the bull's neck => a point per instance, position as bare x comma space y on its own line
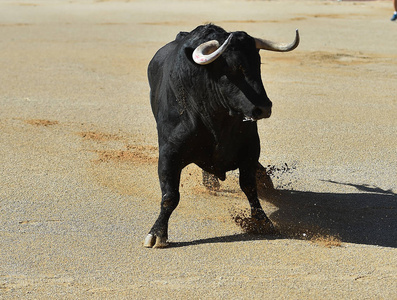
207, 106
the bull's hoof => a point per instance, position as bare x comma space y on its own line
263, 224
152, 241
268, 227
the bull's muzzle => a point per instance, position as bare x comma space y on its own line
262, 112
259, 112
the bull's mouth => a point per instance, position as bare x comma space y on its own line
249, 119
258, 114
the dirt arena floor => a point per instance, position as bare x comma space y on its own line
78, 152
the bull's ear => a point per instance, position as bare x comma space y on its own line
181, 35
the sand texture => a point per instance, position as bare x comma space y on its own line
78, 154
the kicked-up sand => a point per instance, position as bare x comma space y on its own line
78, 152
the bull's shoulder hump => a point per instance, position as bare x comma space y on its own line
165, 52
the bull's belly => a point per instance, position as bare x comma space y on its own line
219, 168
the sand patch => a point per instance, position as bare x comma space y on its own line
40, 122
166, 23
341, 58
250, 21
334, 16
135, 154
327, 241
327, 58
98, 136
15, 25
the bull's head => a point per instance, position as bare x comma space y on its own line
238, 74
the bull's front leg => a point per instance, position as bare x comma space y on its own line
169, 176
248, 186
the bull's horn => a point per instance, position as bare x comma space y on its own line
207, 52
272, 46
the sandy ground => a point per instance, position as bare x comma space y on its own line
78, 183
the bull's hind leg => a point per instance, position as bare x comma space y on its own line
248, 185
211, 182
263, 181
169, 175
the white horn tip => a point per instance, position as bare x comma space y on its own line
203, 59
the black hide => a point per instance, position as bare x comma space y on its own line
201, 113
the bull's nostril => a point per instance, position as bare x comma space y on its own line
257, 112
261, 112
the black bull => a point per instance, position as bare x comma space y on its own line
206, 99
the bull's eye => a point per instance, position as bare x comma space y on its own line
237, 70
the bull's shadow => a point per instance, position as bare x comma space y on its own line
366, 217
